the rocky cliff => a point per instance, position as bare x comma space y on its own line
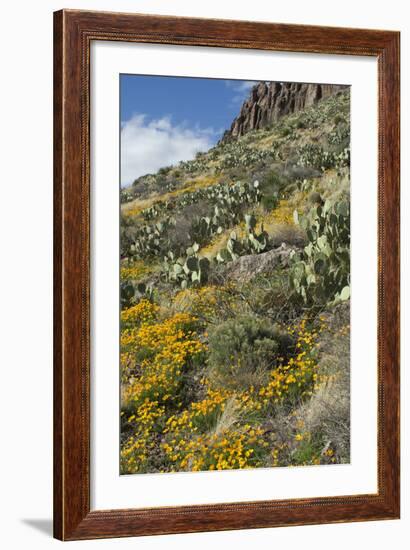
270, 101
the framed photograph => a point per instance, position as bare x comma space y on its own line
226, 275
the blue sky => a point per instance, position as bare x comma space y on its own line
168, 119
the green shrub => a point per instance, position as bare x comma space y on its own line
164, 170
243, 350
272, 188
269, 202
127, 293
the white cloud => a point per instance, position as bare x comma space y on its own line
241, 89
241, 85
147, 146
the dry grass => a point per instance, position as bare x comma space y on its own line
135, 207
328, 411
228, 418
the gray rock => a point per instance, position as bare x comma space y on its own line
247, 267
267, 103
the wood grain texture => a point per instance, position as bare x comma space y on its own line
58, 279
73, 33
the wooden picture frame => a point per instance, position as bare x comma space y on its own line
74, 32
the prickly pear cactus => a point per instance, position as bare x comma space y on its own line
186, 271
321, 273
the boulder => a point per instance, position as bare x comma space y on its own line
247, 267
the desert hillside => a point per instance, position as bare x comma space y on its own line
235, 298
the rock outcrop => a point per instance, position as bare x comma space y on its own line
247, 267
270, 101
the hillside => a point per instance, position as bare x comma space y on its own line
268, 102
235, 272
